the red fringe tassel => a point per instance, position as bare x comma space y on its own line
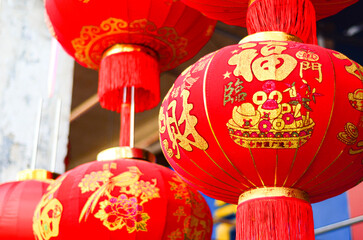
128, 69
275, 218
296, 17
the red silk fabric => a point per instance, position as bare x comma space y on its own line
17, 204
122, 199
171, 29
277, 114
234, 12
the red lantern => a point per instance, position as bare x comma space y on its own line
267, 120
290, 16
18, 201
130, 41
122, 199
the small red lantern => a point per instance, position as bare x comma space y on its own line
129, 41
18, 201
269, 124
122, 199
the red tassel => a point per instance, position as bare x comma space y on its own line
295, 17
275, 218
126, 69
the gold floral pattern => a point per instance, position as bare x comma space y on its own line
94, 40
124, 209
48, 213
195, 226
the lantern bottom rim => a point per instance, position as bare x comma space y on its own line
267, 192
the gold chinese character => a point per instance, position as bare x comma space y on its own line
305, 65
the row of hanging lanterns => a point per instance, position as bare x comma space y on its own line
122, 195
267, 124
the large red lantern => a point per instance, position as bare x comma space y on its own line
122, 199
129, 42
18, 201
271, 125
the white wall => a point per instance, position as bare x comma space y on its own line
25, 52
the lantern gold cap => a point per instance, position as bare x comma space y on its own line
126, 153
266, 192
121, 48
270, 36
35, 174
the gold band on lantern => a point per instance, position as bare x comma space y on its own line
273, 192
35, 174
271, 35
120, 48
125, 152
250, 2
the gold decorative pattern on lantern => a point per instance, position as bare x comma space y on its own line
356, 99
354, 68
132, 194
94, 40
48, 213
350, 137
172, 125
274, 65
195, 226
276, 122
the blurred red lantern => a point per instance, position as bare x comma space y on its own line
129, 41
122, 199
290, 16
18, 201
267, 120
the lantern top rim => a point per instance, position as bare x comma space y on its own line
270, 35
115, 153
36, 174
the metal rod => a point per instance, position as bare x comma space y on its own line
338, 225
56, 134
132, 118
36, 134
84, 107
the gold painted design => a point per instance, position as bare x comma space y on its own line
273, 192
233, 92
350, 134
350, 137
176, 136
274, 65
133, 194
195, 227
354, 68
85, 1
305, 65
326, 129
93, 40
277, 122
356, 99
210, 126
48, 213
307, 56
